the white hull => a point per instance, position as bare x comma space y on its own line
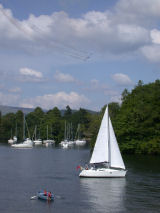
22, 145
65, 145
63, 142
12, 141
48, 142
26, 144
37, 142
103, 173
71, 143
80, 142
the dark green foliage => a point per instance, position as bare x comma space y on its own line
138, 122
68, 112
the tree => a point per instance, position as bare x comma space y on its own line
68, 112
125, 94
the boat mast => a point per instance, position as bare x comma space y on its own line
47, 132
109, 147
23, 126
36, 132
16, 130
65, 132
11, 132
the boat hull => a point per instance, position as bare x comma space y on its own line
22, 145
41, 196
37, 142
102, 173
26, 144
12, 141
65, 145
49, 142
80, 142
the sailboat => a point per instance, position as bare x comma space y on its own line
106, 160
27, 143
48, 142
14, 139
37, 141
79, 142
64, 143
71, 142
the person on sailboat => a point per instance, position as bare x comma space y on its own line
49, 195
86, 166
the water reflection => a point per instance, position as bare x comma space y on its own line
104, 195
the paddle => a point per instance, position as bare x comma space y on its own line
33, 197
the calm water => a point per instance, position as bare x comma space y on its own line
23, 172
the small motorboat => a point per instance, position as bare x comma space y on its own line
46, 196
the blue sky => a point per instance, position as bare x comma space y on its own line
81, 53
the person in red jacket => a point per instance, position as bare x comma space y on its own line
49, 195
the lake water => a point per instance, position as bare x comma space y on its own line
23, 172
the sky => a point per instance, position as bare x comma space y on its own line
81, 53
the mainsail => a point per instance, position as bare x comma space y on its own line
101, 151
106, 147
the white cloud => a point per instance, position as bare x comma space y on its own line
27, 105
152, 53
99, 32
60, 99
116, 98
96, 85
155, 35
94, 81
8, 99
122, 79
132, 34
122, 31
30, 72
15, 90
136, 11
30, 75
62, 77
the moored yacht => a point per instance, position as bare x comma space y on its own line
28, 143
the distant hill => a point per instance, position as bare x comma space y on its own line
9, 109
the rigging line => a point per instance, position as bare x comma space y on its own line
77, 54
14, 22
80, 53
66, 51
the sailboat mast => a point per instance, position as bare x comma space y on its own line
16, 130
47, 132
11, 132
23, 126
109, 146
65, 132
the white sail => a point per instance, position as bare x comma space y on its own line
100, 152
106, 147
115, 155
